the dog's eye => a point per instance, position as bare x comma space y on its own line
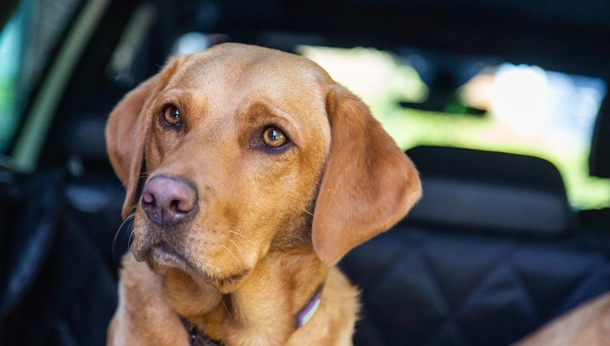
274, 137
171, 114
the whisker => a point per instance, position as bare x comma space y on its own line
308, 212
226, 308
130, 242
239, 234
238, 249
116, 234
232, 254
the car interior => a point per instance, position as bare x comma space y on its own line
497, 246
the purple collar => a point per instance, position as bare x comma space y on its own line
198, 339
310, 309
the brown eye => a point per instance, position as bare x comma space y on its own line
171, 115
274, 137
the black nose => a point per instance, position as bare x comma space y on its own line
167, 201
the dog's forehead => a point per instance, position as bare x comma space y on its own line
235, 68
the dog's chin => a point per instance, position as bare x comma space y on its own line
162, 257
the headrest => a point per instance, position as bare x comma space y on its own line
599, 159
481, 190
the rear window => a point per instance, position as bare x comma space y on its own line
484, 105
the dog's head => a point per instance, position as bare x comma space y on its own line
249, 150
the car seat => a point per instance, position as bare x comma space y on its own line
490, 253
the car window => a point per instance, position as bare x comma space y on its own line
489, 105
10, 49
27, 42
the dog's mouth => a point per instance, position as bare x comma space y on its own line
163, 255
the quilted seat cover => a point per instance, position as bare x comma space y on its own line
428, 287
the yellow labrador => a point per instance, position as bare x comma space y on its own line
261, 173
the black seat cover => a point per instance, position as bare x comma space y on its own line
464, 281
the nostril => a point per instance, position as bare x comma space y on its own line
177, 207
148, 198
181, 206
149, 205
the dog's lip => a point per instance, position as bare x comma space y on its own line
165, 255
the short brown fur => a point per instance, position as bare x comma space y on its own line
270, 225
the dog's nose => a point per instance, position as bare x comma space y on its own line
167, 201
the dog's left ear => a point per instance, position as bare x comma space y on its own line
125, 135
368, 184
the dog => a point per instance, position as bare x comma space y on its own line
261, 173
586, 325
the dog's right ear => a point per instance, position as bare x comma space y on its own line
127, 129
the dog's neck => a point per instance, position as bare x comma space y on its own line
265, 307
